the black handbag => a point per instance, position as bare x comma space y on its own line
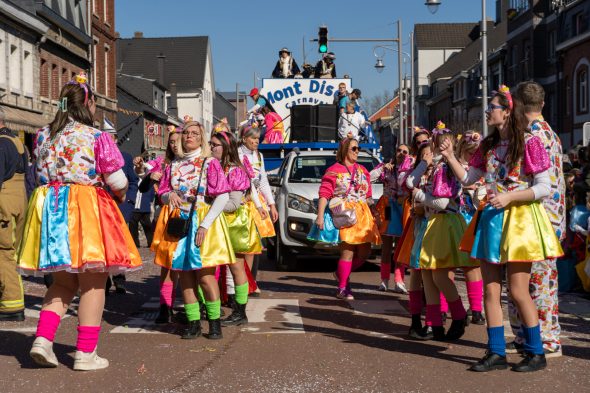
178, 226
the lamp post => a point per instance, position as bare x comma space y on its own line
433, 7
379, 66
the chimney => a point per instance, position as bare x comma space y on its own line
161, 59
173, 106
138, 34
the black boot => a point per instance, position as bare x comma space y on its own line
438, 333
203, 310
214, 329
531, 362
119, 281
457, 329
165, 315
417, 331
477, 318
491, 361
193, 331
237, 317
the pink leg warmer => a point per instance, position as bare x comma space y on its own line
87, 338
475, 294
166, 289
444, 306
457, 310
385, 271
416, 303
433, 314
399, 272
47, 325
344, 270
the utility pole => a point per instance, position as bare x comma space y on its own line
237, 106
484, 67
413, 83
402, 129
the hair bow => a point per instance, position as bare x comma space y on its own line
440, 129
505, 91
81, 80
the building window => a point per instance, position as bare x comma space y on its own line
104, 10
519, 5
44, 78
94, 66
580, 23
582, 89
106, 70
551, 46
15, 68
568, 97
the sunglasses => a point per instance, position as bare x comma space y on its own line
354, 149
404, 152
214, 145
492, 107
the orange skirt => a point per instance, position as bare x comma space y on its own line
365, 230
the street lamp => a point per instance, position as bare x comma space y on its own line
379, 66
432, 6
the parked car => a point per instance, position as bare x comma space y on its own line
296, 185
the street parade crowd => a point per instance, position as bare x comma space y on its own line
493, 208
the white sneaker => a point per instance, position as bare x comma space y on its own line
384, 286
42, 352
89, 361
400, 288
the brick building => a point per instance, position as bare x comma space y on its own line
103, 73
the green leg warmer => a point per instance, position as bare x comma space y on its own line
193, 312
242, 293
213, 309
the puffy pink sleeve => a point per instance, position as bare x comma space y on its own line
406, 164
477, 160
536, 159
444, 186
216, 181
238, 179
164, 185
248, 166
156, 164
328, 185
108, 158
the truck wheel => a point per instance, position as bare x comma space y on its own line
285, 260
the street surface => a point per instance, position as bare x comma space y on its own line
300, 339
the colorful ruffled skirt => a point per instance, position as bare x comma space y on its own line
75, 228
391, 213
520, 233
330, 234
183, 254
265, 226
242, 231
436, 243
403, 247
273, 136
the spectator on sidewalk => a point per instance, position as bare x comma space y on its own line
351, 124
325, 68
286, 66
13, 205
142, 212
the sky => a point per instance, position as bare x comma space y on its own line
246, 35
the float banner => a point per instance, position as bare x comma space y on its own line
286, 93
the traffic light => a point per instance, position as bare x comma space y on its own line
323, 39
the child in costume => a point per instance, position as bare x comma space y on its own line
512, 228
391, 207
347, 187
435, 251
197, 185
74, 229
242, 230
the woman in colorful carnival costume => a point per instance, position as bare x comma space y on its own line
158, 171
346, 186
242, 229
262, 205
470, 199
421, 149
275, 130
196, 185
74, 164
512, 228
436, 247
391, 208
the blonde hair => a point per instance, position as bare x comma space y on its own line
205, 149
467, 144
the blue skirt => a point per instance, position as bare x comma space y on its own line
330, 234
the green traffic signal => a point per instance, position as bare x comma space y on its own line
323, 48
323, 39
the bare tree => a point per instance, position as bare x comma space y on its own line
376, 102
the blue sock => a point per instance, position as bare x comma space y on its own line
496, 342
532, 340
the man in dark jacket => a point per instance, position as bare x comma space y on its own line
286, 66
13, 203
325, 68
142, 212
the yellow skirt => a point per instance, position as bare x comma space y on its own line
440, 243
242, 231
265, 226
365, 230
183, 254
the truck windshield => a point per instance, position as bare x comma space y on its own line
310, 169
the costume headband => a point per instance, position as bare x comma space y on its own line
472, 138
81, 80
224, 135
440, 129
420, 130
248, 128
505, 91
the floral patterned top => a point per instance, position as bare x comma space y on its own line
78, 154
555, 203
520, 176
337, 183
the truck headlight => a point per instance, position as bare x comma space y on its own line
301, 204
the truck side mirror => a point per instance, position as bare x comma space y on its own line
274, 180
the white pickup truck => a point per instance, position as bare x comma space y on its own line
296, 186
